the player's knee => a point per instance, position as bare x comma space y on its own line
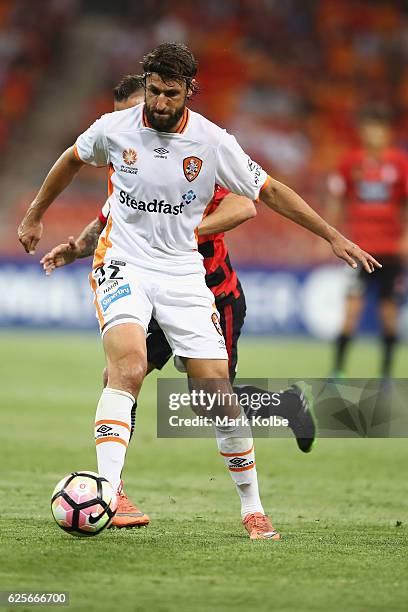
128, 372
220, 369
134, 373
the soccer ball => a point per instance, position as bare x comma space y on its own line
83, 503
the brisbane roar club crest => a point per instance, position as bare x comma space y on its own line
192, 166
129, 156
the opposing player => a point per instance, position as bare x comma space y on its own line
147, 260
369, 194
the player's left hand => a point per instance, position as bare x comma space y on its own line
350, 252
61, 255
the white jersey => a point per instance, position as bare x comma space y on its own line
162, 184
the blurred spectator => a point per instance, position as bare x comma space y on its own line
27, 45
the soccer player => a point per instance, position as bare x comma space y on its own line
147, 260
221, 278
369, 193
225, 211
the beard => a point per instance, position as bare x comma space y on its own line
163, 123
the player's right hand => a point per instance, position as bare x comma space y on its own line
61, 255
29, 233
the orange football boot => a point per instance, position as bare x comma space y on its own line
260, 527
127, 514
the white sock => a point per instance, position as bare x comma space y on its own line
112, 432
239, 456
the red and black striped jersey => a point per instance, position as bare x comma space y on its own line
220, 276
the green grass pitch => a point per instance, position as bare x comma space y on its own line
342, 510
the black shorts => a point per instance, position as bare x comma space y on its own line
388, 279
232, 315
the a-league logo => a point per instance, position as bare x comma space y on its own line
129, 156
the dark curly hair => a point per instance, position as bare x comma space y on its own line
129, 85
172, 62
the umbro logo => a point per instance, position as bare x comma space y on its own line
103, 429
161, 152
237, 461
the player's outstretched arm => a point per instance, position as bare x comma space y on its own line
58, 178
66, 253
231, 212
286, 202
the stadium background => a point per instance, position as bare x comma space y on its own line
287, 77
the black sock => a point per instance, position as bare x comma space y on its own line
286, 405
132, 420
132, 425
342, 342
389, 342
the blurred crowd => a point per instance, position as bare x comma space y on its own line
285, 76
30, 33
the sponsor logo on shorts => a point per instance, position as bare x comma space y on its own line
121, 292
129, 156
216, 321
154, 206
192, 166
111, 286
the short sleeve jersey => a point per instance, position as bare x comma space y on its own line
375, 192
162, 183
